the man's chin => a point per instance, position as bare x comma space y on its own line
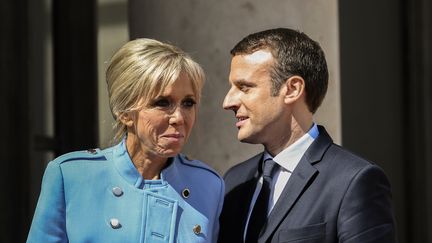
247, 139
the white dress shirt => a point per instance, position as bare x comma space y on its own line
287, 160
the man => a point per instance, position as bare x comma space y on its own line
303, 187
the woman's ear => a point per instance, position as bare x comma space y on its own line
294, 89
127, 119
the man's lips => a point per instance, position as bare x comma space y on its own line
241, 120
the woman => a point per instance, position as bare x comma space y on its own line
142, 189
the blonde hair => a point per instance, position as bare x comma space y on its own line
140, 71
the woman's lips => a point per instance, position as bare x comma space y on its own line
174, 137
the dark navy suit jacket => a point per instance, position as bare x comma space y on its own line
332, 196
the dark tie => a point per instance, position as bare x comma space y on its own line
259, 213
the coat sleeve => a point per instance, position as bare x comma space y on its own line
366, 214
49, 221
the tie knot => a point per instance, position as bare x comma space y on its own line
268, 167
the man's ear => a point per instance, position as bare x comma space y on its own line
127, 119
294, 89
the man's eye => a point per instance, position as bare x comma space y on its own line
162, 103
244, 88
188, 102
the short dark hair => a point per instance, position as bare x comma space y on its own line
295, 54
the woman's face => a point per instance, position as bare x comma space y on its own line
165, 123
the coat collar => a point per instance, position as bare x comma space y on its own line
128, 171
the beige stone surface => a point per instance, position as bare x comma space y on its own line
112, 34
208, 30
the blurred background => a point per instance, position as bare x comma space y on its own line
53, 96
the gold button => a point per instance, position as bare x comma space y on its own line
186, 193
197, 229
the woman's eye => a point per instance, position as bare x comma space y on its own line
162, 103
189, 102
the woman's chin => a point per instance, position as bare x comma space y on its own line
170, 152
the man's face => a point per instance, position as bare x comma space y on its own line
261, 117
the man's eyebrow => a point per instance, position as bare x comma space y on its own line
241, 82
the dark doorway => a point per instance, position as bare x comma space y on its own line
25, 142
386, 100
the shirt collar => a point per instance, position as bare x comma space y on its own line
290, 156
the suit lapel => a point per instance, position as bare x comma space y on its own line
240, 187
296, 185
248, 189
302, 176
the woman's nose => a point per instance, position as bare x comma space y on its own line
177, 117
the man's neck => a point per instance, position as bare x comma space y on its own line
298, 129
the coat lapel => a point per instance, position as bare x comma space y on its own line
302, 176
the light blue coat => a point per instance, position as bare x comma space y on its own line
99, 196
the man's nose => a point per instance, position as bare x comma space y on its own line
231, 101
